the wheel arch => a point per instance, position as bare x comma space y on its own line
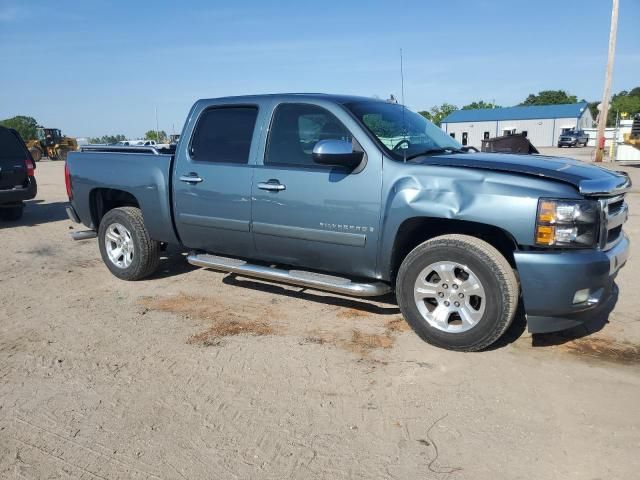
415, 230
101, 200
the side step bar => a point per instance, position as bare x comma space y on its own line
313, 280
83, 234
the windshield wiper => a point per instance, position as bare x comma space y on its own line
435, 151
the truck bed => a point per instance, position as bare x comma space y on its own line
142, 172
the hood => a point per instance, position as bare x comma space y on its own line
589, 179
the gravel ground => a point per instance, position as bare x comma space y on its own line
196, 374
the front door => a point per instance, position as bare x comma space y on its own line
212, 182
312, 215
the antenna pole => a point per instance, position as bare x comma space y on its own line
401, 78
404, 125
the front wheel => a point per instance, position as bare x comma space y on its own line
126, 248
457, 292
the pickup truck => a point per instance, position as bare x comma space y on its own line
362, 197
573, 138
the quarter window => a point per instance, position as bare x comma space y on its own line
295, 130
223, 135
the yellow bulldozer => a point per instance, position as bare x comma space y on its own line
51, 143
633, 138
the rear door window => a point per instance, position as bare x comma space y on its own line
224, 134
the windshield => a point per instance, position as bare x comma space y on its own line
402, 132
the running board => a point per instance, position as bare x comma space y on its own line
83, 234
313, 280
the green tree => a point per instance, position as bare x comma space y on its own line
624, 102
153, 135
438, 113
25, 126
550, 97
108, 139
480, 105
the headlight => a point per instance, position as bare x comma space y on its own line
567, 223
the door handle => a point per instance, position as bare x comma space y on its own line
191, 178
272, 185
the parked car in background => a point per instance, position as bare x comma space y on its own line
362, 197
17, 175
573, 138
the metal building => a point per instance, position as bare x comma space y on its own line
542, 124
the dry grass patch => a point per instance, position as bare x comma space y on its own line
351, 313
228, 328
604, 349
225, 322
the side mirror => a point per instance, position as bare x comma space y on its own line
336, 152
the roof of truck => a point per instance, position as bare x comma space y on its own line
307, 96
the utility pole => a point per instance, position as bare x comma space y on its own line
604, 109
157, 129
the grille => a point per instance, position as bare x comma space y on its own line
614, 214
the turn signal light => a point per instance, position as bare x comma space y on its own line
545, 235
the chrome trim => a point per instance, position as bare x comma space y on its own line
272, 187
190, 178
314, 280
609, 222
83, 235
71, 213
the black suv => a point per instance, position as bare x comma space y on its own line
17, 175
573, 138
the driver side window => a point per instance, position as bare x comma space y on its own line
295, 130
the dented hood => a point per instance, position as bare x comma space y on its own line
590, 180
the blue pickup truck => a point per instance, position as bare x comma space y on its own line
362, 197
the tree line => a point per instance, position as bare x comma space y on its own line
625, 103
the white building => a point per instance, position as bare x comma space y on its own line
542, 124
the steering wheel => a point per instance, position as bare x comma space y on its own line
401, 142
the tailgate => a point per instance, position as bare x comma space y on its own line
12, 160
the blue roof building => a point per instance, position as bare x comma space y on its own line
542, 124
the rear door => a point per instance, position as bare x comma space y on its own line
212, 180
13, 155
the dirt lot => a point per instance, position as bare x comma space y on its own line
197, 374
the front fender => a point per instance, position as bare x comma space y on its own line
502, 200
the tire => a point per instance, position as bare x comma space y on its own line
11, 214
141, 254
36, 153
493, 305
61, 154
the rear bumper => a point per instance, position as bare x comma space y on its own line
18, 195
71, 213
551, 282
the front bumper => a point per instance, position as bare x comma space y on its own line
17, 195
568, 143
550, 281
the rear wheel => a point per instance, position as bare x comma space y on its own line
36, 154
11, 214
457, 292
125, 245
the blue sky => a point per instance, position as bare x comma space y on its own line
98, 67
